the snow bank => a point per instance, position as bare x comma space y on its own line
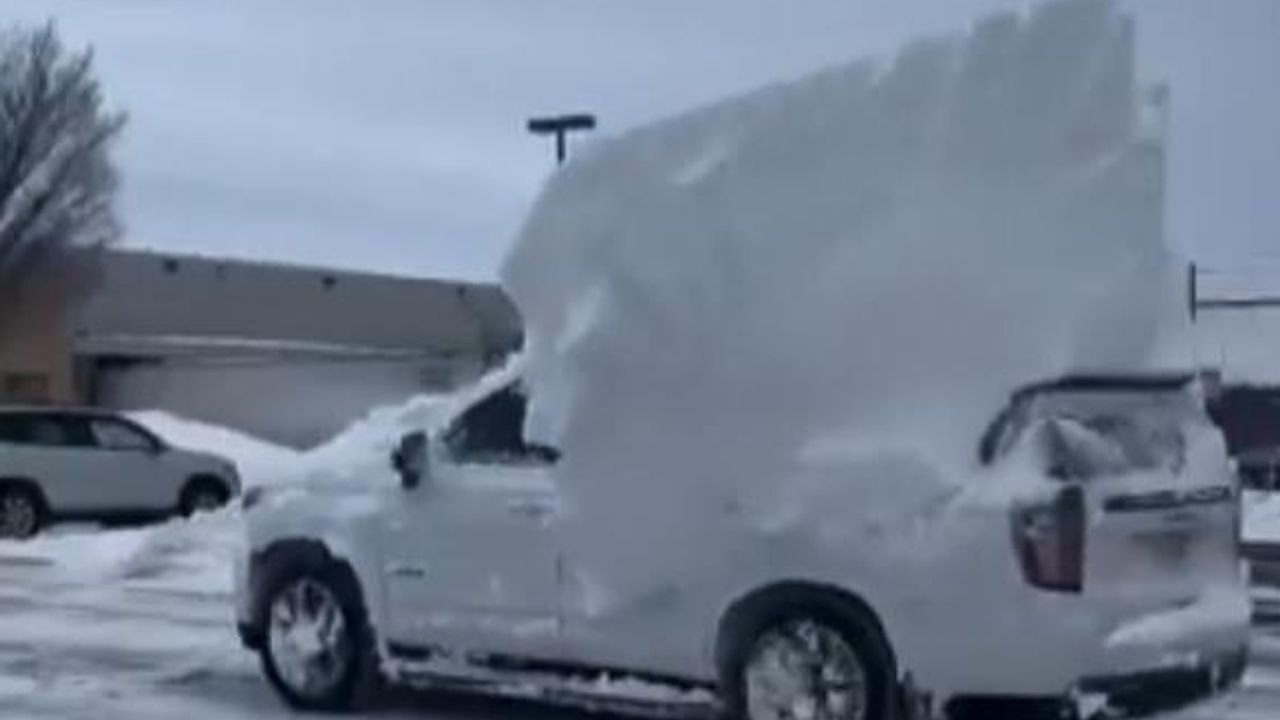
879, 253
195, 556
81, 552
259, 462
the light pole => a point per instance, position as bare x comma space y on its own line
560, 126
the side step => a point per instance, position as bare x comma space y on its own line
577, 688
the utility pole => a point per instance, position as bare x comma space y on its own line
561, 126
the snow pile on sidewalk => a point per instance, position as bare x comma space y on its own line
875, 254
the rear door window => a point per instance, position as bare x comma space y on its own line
58, 431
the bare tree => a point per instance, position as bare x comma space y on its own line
57, 182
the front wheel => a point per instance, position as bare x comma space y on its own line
20, 513
318, 649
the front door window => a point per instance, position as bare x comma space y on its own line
492, 433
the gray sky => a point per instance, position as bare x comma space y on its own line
388, 135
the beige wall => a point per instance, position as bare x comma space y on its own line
35, 347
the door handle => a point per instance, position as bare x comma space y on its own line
530, 509
408, 572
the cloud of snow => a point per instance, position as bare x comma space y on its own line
874, 255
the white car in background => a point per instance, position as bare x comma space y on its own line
60, 464
1120, 588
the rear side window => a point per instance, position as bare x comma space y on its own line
56, 431
115, 435
13, 429
1084, 435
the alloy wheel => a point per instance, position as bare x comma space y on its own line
310, 642
19, 516
805, 670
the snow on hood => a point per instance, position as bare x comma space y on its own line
361, 452
887, 250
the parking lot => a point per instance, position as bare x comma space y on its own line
142, 646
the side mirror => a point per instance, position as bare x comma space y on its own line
409, 459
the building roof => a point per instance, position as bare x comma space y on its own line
161, 304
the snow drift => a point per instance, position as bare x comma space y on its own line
258, 461
869, 258
195, 555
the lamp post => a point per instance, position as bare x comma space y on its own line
560, 126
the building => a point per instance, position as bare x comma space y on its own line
288, 353
35, 346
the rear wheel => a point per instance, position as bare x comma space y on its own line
816, 664
203, 495
318, 649
20, 513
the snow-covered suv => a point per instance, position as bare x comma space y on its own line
90, 464
1112, 580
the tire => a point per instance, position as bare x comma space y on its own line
21, 512
855, 678
346, 667
203, 495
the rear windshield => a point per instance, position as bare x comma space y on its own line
1084, 434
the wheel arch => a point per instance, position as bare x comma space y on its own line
286, 555
195, 480
272, 569
756, 609
24, 483
198, 480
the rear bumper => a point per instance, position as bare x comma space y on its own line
1135, 694
1152, 691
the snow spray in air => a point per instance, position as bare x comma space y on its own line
877, 254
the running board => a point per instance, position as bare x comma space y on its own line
591, 690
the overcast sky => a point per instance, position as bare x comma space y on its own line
388, 134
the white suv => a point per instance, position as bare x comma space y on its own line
1116, 589
88, 464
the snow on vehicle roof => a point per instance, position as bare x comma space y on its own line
878, 252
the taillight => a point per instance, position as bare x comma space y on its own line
1049, 540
